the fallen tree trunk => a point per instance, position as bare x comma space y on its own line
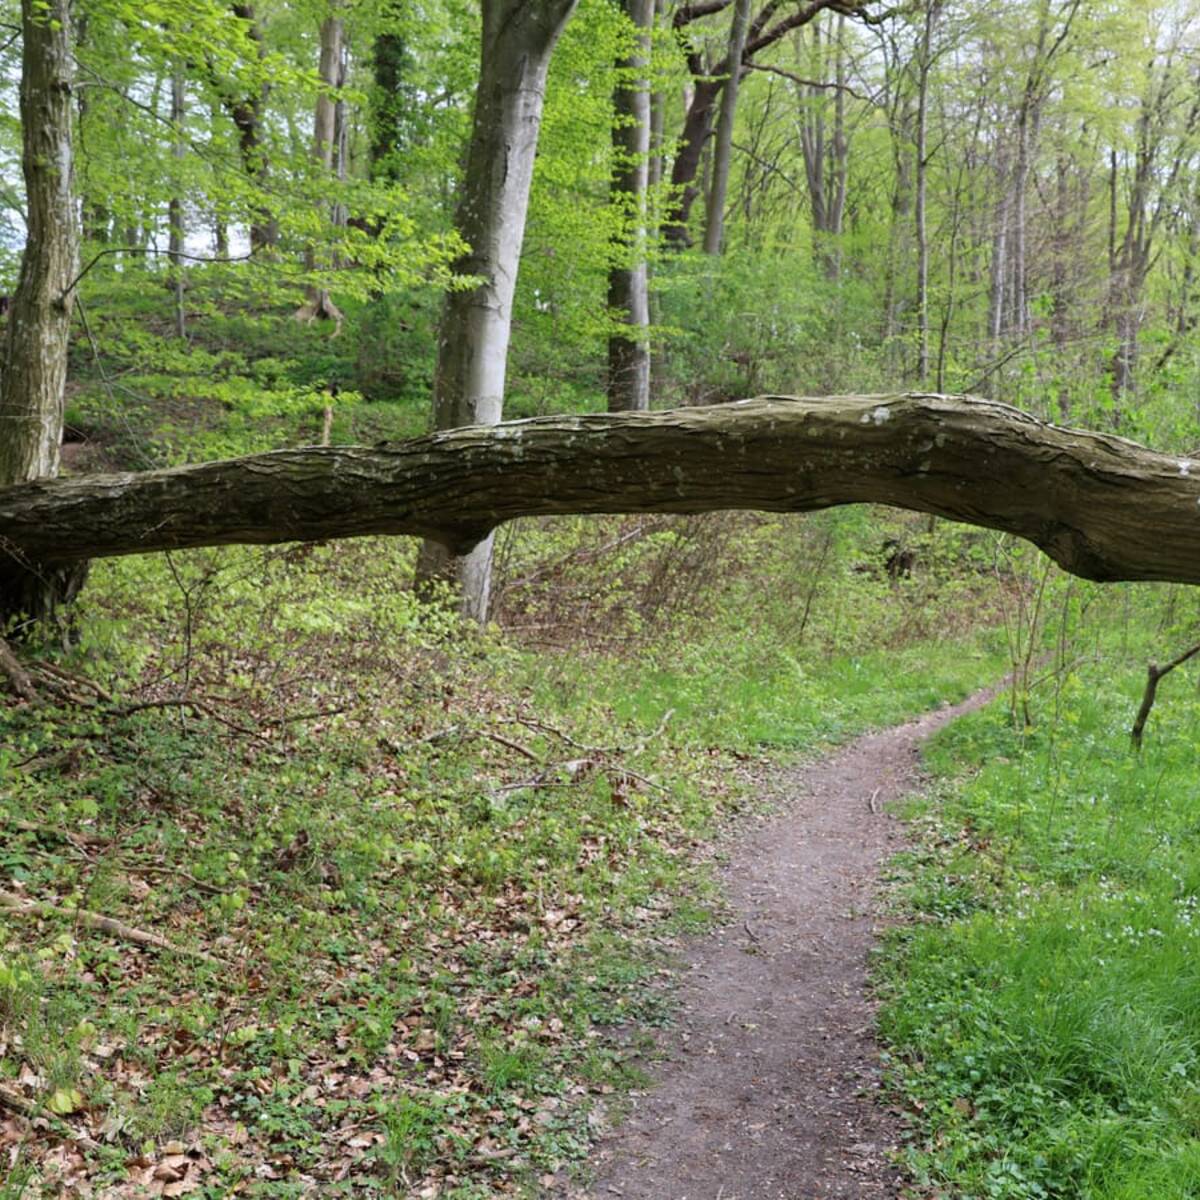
1102, 507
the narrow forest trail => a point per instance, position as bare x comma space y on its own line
770, 1090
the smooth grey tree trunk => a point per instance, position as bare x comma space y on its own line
34, 377
714, 232
1104, 508
628, 296
518, 41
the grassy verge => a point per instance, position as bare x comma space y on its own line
1043, 1007
428, 869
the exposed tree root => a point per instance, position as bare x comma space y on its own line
18, 678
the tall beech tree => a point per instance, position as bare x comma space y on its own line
33, 384
518, 41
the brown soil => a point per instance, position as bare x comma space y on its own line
770, 1091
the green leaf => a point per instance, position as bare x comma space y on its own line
65, 1101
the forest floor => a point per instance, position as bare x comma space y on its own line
770, 1089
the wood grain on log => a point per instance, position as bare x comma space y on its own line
1104, 508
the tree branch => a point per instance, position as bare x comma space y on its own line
812, 83
1102, 507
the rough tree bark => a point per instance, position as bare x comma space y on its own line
35, 354
518, 40
628, 296
1104, 508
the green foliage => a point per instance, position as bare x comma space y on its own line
1042, 1013
423, 933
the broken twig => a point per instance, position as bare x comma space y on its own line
19, 906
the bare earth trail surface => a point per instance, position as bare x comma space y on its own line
770, 1090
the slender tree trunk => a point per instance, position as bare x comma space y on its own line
812, 137
999, 265
220, 218
175, 221
389, 61
96, 217
247, 114
628, 299
318, 304
33, 383
518, 40
714, 232
951, 280
708, 85
686, 165
825, 156
922, 172
658, 117
839, 155
900, 127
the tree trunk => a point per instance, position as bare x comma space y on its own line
1104, 508
628, 299
826, 165
658, 113
318, 304
708, 84
922, 175
999, 264
390, 100
714, 232
518, 40
220, 214
900, 130
839, 161
697, 125
246, 113
175, 223
35, 355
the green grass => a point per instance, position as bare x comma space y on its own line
1043, 1010
436, 866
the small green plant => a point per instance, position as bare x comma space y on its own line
412, 1127
17, 989
510, 1066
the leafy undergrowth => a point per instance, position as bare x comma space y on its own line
408, 876
1043, 1009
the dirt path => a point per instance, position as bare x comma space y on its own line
770, 1089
